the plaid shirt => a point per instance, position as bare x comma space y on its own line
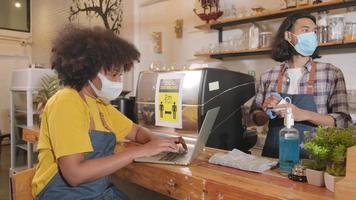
330, 94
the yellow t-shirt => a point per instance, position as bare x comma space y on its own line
65, 130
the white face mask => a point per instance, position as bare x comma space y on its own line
110, 90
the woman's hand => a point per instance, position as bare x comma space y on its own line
157, 146
298, 114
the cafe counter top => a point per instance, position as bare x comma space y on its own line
202, 180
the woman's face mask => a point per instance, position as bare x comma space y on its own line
306, 43
109, 91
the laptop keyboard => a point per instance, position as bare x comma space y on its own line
171, 156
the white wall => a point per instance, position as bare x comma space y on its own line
47, 19
13, 55
50, 16
160, 17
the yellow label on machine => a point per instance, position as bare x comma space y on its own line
168, 106
169, 100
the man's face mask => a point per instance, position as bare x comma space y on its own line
306, 43
109, 91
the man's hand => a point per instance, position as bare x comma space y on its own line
270, 101
298, 113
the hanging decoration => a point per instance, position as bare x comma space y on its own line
110, 11
178, 28
157, 42
211, 10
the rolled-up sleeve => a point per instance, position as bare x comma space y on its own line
259, 97
338, 107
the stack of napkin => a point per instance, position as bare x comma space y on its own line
240, 160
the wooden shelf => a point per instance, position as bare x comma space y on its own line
204, 27
235, 53
336, 4
224, 24
322, 46
24, 112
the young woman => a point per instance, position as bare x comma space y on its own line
80, 128
317, 90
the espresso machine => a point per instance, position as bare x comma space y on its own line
202, 89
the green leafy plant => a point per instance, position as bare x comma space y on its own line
337, 166
317, 150
49, 86
328, 149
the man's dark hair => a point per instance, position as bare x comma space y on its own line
281, 49
79, 53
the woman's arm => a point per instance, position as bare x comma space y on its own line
77, 170
139, 134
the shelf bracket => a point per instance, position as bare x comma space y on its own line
220, 34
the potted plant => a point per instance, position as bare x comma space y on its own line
317, 164
336, 169
328, 151
49, 86
339, 141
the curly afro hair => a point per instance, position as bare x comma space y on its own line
79, 53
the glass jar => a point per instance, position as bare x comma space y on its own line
291, 3
303, 2
350, 31
336, 27
265, 39
322, 19
317, 1
253, 37
323, 34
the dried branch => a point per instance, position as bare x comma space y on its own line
110, 12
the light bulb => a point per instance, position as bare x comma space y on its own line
17, 4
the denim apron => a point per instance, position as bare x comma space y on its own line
303, 101
101, 189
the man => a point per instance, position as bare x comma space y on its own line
317, 90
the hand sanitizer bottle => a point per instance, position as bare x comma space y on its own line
288, 143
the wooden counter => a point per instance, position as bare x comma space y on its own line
202, 180
346, 188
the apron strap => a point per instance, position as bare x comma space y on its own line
101, 115
310, 86
91, 123
280, 79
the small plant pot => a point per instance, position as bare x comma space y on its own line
315, 177
330, 181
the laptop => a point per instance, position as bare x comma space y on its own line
194, 146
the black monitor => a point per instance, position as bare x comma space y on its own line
234, 90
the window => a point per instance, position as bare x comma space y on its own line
15, 15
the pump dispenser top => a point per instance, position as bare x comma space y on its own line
288, 119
